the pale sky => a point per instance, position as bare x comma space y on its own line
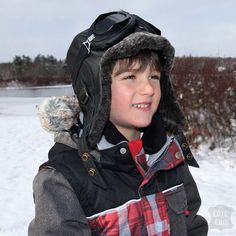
47, 27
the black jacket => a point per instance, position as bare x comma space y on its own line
114, 178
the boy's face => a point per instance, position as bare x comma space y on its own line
135, 98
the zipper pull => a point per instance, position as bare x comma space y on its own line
88, 42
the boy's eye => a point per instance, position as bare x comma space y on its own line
155, 77
129, 77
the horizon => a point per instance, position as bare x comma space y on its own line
58, 59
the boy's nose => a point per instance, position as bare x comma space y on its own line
146, 87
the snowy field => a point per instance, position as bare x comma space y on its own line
24, 146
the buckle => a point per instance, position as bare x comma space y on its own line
88, 42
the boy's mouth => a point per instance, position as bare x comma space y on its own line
142, 105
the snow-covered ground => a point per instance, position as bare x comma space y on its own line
24, 146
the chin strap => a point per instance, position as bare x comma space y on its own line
186, 150
90, 161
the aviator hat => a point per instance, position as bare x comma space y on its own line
90, 60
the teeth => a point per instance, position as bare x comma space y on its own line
141, 105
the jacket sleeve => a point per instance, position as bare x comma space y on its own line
196, 224
57, 209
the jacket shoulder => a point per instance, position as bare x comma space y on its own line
57, 207
59, 148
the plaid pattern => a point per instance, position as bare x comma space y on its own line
145, 216
171, 157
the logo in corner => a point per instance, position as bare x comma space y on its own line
221, 217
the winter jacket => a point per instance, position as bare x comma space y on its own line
131, 190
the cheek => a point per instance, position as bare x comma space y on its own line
119, 98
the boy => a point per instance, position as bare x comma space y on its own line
119, 170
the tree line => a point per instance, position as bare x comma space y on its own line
40, 71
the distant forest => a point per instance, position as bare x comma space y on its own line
205, 88
40, 71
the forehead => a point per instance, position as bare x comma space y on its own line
126, 65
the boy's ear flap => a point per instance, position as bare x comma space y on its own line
169, 107
154, 136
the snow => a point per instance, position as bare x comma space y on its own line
217, 185
24, 146
221, 68
42, 91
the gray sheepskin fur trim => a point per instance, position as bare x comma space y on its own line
134, 43
58, 114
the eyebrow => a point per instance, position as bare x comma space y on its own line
130, 70
123, 70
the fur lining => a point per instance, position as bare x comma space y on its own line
134, 43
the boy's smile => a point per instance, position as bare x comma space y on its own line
135, 98
142, 106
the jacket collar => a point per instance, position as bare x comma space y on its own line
130, 157
153, 138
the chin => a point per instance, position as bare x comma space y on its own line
143, 124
